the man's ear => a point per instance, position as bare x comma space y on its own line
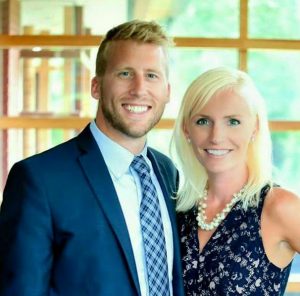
95, 88
169, 92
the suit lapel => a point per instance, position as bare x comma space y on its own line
100, 181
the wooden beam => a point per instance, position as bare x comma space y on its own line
84, 41
207, 42
273, 44
293, 287
284, 125
27, 122
243, 52
237, 43
44, 41
243, 19
75, 122
66, 54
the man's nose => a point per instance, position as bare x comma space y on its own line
138, 86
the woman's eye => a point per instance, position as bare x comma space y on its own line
233, 121
152, 75
202, 121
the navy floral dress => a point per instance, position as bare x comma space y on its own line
233, 262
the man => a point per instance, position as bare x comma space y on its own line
71, 221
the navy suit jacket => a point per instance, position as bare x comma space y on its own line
62, 230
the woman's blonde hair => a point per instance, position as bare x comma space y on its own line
259, 159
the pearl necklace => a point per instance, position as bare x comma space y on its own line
216, 221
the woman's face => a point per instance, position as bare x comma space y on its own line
221, 132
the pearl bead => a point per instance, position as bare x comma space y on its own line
217, 220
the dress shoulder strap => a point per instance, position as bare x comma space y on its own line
263, 193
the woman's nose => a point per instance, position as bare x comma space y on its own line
217, 134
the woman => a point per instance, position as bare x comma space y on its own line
239, 232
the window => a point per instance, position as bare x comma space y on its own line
47, 60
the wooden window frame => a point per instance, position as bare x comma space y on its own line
243, 44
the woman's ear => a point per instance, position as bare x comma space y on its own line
186, 133
255, 131
95, 88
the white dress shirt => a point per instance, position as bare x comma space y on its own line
128, 188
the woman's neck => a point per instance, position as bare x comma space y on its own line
224, 185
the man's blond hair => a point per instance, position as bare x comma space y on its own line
136, 30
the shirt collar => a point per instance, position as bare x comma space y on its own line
116, 157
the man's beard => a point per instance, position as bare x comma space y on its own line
117, 123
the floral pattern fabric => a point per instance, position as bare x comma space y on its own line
233, 262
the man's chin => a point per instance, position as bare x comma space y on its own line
136, 134
131, 129
136, 131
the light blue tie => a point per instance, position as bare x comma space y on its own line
153, 233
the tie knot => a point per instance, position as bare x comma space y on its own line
139, 164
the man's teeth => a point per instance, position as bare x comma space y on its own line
218, 152
136, 109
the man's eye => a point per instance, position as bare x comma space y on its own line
233, 121
124, 74
202, 121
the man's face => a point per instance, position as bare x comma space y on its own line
133, 91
